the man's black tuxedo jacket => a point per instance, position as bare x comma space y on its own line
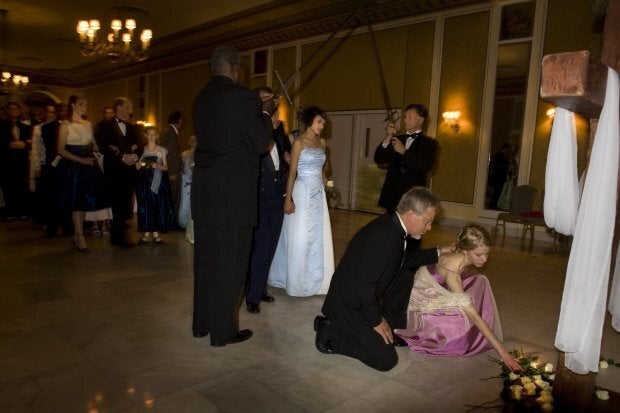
368, 270
108, 133
231, 133
407, 170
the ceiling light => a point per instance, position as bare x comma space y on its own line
118, 44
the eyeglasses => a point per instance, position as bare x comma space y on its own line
427, 220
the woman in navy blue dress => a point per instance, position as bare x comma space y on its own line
83, 188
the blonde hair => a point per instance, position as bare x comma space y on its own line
471, 237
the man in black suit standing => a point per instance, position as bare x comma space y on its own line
271, 191
409, 157
359, 306
169, 139
15, 137
119, 141
231, 133
49, 184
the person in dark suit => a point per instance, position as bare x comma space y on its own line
15, 137
169, 139
232, 133
53, 218
119, 141
359, 307
271, 191
409, 157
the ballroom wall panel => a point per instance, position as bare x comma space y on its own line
179, 89
462, 85
284, 61
419, 64
350, 79
101, 96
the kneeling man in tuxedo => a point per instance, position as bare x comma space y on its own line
371, 285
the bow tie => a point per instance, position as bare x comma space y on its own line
412, 135
120, 120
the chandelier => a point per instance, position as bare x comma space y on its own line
118, 45
9, 82
12, 83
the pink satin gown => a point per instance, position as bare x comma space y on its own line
436, 324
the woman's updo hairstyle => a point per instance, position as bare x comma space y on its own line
471, 237
308, 113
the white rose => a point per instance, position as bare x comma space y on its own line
603, 364
525, 380
547, 394
545, 397
515, 391
513, 376
548, 368
530, 388
330, 184
533, 364
536, 377
546, 407
551, 377
602, 395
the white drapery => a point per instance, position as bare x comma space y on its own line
583, 301
561, 201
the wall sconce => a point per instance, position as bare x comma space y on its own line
452, 119
551, 113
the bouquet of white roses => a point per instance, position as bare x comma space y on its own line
530, 389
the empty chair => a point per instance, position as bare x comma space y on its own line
521, 200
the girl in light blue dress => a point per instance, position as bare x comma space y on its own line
304, 260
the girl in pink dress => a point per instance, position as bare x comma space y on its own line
452, 312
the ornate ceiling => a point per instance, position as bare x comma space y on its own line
246, 24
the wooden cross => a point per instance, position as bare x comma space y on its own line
576, 81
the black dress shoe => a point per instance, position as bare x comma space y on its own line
324, 348
320, 321
267, 298
399, 342
199, 334
239, 337
253, 308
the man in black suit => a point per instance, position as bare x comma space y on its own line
409, 157
271, 191
49, 182
169, 139
119, 142
15, 137
360, 305
231, 133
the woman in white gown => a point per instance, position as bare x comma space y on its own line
304, 260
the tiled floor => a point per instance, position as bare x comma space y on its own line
109, 331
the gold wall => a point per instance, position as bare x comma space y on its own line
179, 88
416, 83
462, 86
284, 62
349, 79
